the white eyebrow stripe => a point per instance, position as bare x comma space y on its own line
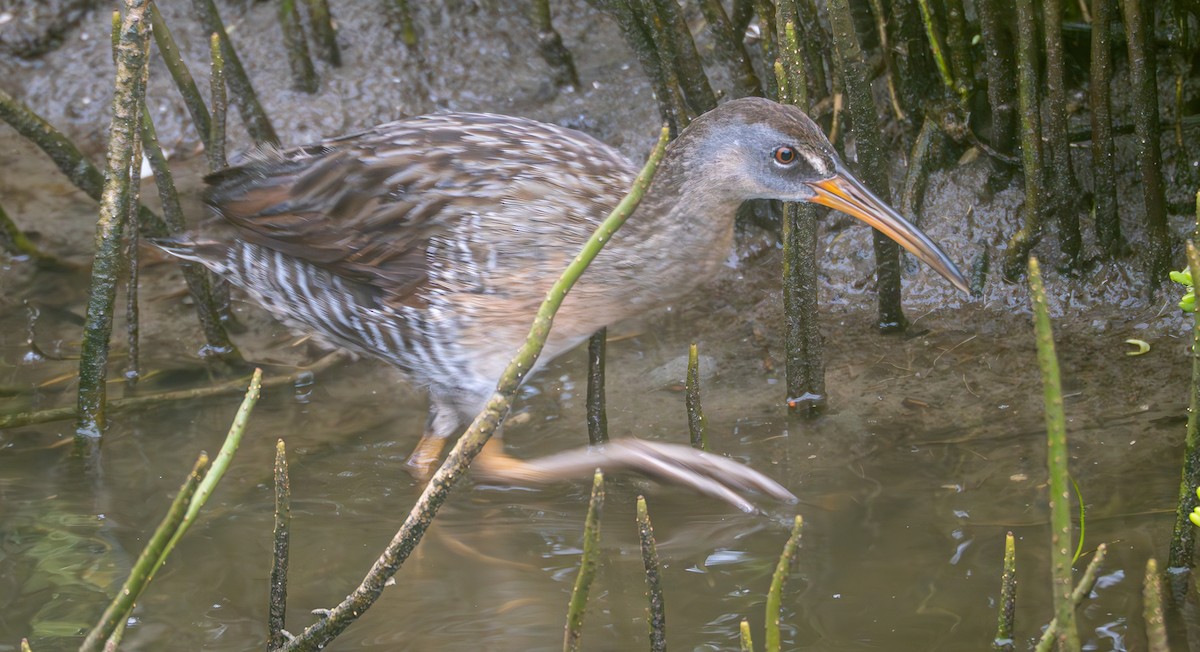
817, 163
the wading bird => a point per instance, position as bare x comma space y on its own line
431, 241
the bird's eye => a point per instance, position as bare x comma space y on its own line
785, 155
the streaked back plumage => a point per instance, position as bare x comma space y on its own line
431, 241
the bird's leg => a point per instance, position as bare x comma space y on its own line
495, 465
441, 423
421, 463
708, 473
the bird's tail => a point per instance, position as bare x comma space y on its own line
209, 253
198, 251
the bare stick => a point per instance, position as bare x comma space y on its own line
169, 52
597, 412
695, 412
323, 32
244, 96
304, 76
279, 560
114, 204
655, 611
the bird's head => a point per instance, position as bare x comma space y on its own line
759, 149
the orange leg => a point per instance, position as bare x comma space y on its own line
491, 464
496, 465
424, 458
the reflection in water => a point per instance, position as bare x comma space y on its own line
905, 508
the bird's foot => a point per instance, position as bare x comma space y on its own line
708, 473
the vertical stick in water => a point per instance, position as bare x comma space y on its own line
279, 560
597, 411
804, 356
244, 96
304, 76
180, 73
1008, 598
1183, 542
217, 342
115, 202
1001, 86
1152, 609
1056, 458
1082, 589
695, 411
132, 316
1104, 186
1064, 189
775, 594
1026, 237
872, 159
744, 636
1139, 36
323, 32
587, 566
550, 45
215, 147
655, 612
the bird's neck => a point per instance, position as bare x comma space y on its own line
682, 222
678, 238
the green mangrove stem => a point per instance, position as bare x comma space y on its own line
1183, 539
587, 567
655, 611
1008, 598
169, 52
1082, 589
1056, 441
147, 562
1022, 242
775, 595
244, 96
1152, 609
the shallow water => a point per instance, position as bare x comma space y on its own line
931, 450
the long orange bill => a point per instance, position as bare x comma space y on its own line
845, 193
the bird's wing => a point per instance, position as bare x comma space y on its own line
365, 206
